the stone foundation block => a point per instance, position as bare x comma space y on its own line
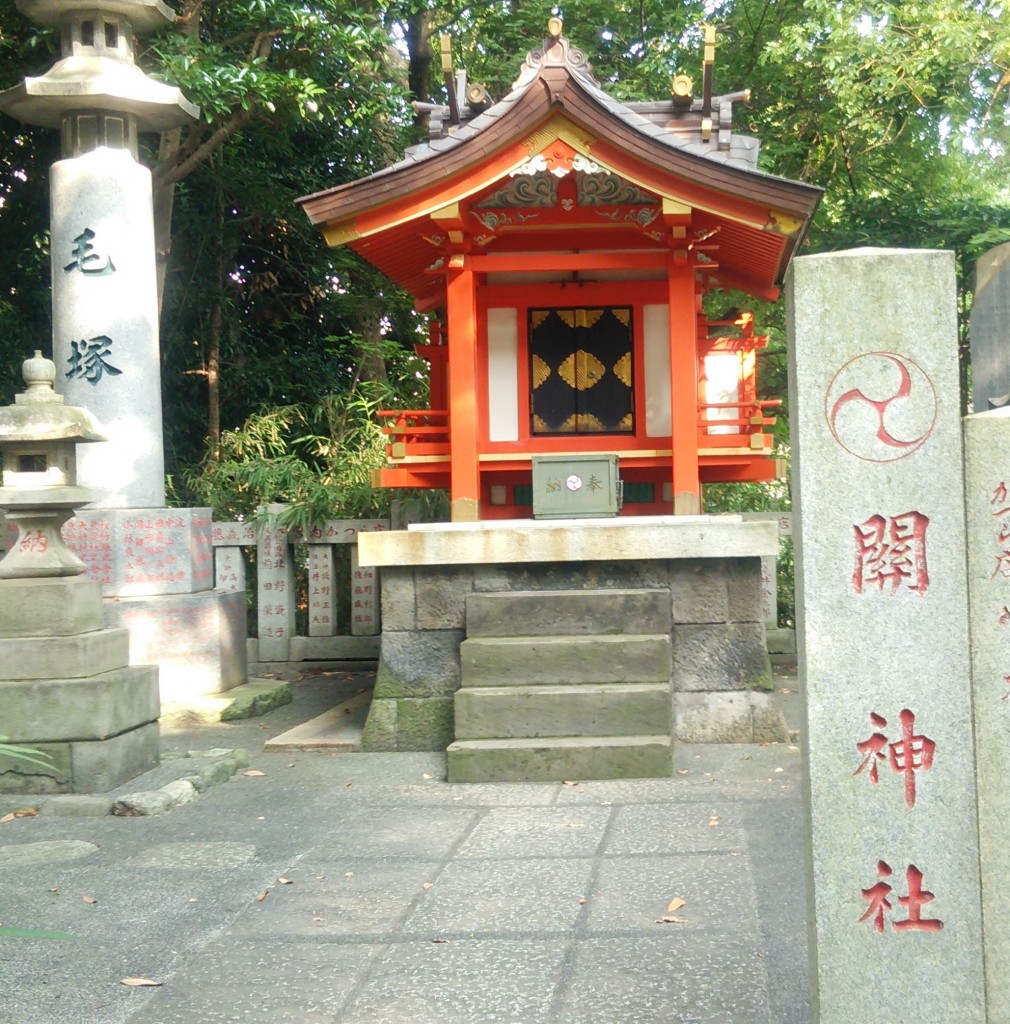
722, 657
398, 598
61, 606
380, 728
64, 657
735, 717
743, 589
90, 766
106, 764
424, 724
698, 591
440, 597
419, 664
198, 641
92, 708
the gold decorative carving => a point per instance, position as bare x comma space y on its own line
567, 315
783, 223
581, 370
539, 317
587, 317
341, 235
622, 315
540, 371
622, 369
554, 130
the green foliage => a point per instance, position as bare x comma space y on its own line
315, 456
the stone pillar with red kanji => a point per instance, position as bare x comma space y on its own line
882, 631
987, 490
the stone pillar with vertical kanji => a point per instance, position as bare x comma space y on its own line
987, 491
882, 631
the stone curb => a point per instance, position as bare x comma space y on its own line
250, 700
215, 767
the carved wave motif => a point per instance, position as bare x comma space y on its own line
537, 190
603, 189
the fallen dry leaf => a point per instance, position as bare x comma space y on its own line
583, 902
439, 940
671, 919
713, 821
254, 773
780, 769
6, 818
90, 900
425, 776
427, 885
675, 904
191, 900
319, 920
260, 897
682, 771
569, 782
348, 874
55, 888
284, 881
26, 812
140, 983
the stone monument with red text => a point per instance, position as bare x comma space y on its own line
155, 564
882, 630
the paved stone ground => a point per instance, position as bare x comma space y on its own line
392, 897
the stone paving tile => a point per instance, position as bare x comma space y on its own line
461, 982
363, 899
498, 794
477, 897
171, 856
666, 979
630, 893
675, 828
418, 833
295, 983
537, 832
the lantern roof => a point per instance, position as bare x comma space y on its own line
145, 16
97, 83
676, 157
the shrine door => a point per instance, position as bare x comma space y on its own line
581, 371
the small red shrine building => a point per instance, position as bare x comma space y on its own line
563, 243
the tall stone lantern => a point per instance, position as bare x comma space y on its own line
105, 302
155, 564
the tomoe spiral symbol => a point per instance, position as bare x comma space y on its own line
881, 407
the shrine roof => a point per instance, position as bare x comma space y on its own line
714, 169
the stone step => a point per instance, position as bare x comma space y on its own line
559, 758
531, 660
568, 612
596, 709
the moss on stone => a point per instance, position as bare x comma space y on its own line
424, 724
380, 727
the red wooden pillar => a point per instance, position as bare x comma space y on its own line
684, 386
461, 316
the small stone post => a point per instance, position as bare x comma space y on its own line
883, 638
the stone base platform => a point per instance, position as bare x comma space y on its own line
198, 641
67, 691
709, 564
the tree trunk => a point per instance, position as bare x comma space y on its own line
419, 30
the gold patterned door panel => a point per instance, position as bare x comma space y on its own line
581, 371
